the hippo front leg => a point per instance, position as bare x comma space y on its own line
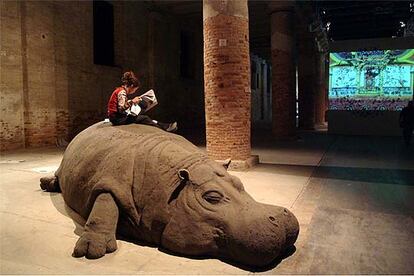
100, 228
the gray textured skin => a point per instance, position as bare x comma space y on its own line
157, 187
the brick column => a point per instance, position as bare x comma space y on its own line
307, 71
283, 69
227, 79
321, 92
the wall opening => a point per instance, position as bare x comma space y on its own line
187, 55
103, 33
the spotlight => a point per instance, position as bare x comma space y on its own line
402, 24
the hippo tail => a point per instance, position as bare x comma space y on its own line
50, 184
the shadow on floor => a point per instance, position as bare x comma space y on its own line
290, 251
286, 169
78, 221
373, 175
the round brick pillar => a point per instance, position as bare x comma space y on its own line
307, 71
321, 92
283, 69
227, 79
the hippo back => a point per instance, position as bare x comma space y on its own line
127, 161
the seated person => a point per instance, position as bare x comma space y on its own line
119, 104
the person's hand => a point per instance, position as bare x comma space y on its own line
136, 100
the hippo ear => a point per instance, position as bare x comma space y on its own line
183, 174
226, 163
237, 183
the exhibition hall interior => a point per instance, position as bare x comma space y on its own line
206, 137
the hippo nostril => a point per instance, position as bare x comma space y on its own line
285, 212
273, 221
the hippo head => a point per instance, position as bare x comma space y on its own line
211, 214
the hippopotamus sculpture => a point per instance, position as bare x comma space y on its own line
156, 187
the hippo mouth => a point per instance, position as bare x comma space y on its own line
260, 243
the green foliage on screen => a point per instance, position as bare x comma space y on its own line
371, 80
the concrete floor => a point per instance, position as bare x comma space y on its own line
353, 197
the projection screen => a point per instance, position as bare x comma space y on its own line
371, 80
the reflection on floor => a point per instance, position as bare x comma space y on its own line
353, 196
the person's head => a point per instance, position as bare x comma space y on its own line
130, 82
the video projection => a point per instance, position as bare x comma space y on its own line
371, 80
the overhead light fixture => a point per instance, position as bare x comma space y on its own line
402, 24
328, 26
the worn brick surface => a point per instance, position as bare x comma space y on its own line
227, 87
283, 94
11, 108
321, 92
51, 88
307, 73
283, 74
53, 81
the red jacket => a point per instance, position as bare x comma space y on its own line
113, 102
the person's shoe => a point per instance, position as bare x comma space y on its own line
172, 127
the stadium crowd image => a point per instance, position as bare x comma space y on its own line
206, 137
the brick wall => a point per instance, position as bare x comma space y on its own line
11, 84
38, 59
52, 90
50, 87
227, 87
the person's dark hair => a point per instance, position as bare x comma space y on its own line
129, 79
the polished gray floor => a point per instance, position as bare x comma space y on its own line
353, 196
359, 205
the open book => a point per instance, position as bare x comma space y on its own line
148, 101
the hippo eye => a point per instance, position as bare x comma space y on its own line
212, 197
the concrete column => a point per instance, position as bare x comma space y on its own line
283, 69
307, 71
321, 92
227, 80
